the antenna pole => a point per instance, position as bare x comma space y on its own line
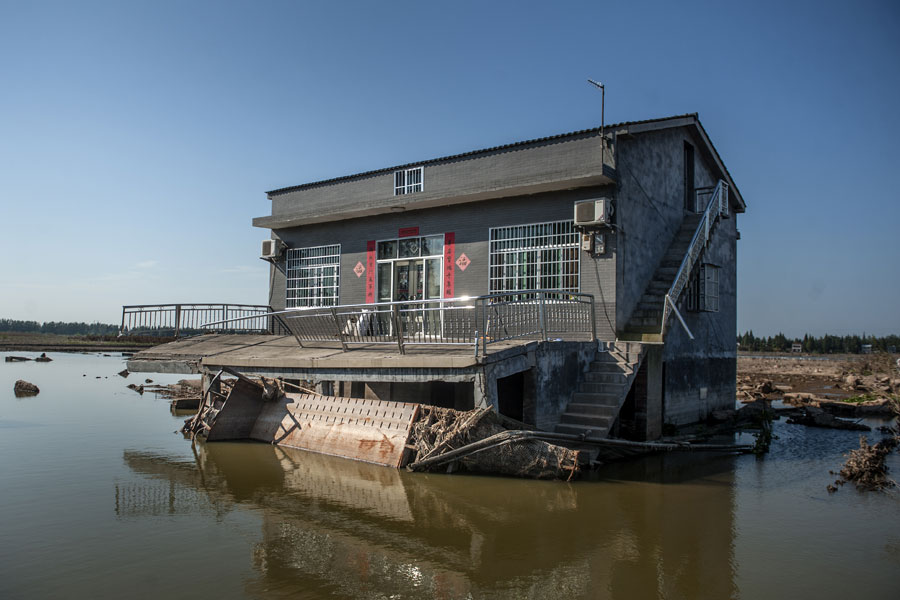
597, 84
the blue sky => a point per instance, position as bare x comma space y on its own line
137, 139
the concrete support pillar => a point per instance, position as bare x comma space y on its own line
482, 397
654, 407
378, 390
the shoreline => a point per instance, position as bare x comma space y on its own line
99, 347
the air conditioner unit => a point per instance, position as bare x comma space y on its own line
272, 248
591, 213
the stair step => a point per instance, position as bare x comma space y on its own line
601, 398
639, 321
585, 430
610, 358
627, 346
667, 272
606, 367
651, 302
608, 377
596, 421
583, 408
642, 329
600, 387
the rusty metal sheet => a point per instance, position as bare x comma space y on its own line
374, 431
239, 413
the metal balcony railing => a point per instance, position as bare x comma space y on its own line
165, 320
477, 322
716, 207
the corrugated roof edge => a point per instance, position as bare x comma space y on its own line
609, 127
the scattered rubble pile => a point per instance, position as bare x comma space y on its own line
822, 392
184, 389
441, 430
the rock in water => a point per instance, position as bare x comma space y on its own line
25, 388
43, 358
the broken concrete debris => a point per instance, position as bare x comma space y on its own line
812, 416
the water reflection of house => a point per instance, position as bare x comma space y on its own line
357, 530
629, 232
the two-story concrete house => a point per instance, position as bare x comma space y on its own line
583, 283
639, 213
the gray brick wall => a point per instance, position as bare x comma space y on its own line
471, 223
709, 360
650, 211
490, 174
650, 206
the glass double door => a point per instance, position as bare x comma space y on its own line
412, 281
409, 280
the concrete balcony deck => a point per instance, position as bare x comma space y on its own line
272, 355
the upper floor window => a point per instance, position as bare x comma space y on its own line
408, 181
709, 288
703, 289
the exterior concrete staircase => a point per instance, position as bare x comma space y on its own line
600, 395
645, 323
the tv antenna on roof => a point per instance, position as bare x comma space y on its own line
597, 84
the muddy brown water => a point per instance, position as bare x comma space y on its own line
101, 499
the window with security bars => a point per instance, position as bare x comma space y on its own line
703, 289
709, 288
313, 276
536, 256
408, 181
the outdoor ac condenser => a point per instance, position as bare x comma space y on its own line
272, 248
593, 213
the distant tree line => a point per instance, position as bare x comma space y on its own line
826, 344
58, 327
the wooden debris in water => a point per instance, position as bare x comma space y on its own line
865, 467
442, 430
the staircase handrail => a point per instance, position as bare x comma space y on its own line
717, 205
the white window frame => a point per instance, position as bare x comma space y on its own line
708, 287
509, 268
409, 181
306, 272
397, 258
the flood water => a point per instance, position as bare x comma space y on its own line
99, 498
